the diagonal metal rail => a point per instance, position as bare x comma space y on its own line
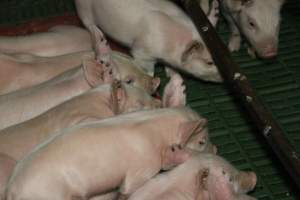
233, 75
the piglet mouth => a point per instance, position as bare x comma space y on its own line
269, 53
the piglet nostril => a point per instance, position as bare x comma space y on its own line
210, 63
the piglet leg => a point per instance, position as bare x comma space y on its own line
213, 15
174, 93
235, 36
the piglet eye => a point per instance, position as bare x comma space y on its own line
173, 149
251, 23
210, 63
129, 81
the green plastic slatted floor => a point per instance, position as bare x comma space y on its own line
277, 83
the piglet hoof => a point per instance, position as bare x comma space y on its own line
214, 13
234, 43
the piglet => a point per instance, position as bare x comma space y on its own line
59, 40
25, 104
19, 71
258, 20
155, 30
202, 177
96, 157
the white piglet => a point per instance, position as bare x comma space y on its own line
258, 20
155, 30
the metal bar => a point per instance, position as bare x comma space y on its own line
232, 74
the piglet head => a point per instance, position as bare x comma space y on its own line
224, 182
126, 98
144, 81
260, 23
130, 73
197, 60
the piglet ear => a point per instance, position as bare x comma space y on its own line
187, 129
93, 71
100, 44
191, 49
118, 96
246, 181
174, 92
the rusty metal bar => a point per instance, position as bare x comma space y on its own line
232, 74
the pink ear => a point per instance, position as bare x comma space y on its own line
174, 93
186, 129
93, 72
100, 44
246, 181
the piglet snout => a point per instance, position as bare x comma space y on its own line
246, 182
269, 52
